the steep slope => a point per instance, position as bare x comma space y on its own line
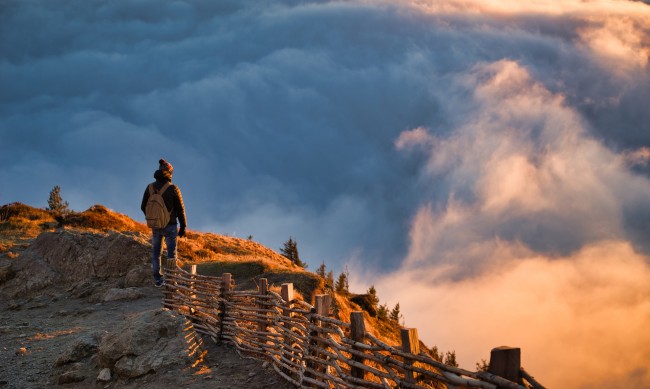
92, 252
79, 242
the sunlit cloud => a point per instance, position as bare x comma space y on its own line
639, 156
539, 7
620, 42
580, 320
467, 147
415, 137
529, 248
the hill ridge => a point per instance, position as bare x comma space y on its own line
38, 247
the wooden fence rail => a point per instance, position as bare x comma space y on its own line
311, 349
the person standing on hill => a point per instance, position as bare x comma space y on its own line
162, 204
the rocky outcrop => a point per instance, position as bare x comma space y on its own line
116, 294
147, 342
78, 350
70, 257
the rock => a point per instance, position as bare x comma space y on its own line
6, 272
72, 375
138, 276
14, 305
146, 342
66, 257
83, 289
81, 348
115, 294
104, 375
21, 351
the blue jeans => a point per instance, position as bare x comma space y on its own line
170, 233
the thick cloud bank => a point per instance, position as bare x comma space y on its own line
530, 247
491, 155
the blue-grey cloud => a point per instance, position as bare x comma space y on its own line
276, 109
372, 132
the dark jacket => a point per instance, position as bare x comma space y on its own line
172, 196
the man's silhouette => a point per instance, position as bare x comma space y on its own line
174, 203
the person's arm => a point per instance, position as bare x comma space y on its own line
145, 198
179, 207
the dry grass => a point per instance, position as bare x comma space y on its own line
246, 259
23, 221
209, 247
214, 254
103, 219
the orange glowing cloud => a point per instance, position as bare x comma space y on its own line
580, 320
530, 248
613, 31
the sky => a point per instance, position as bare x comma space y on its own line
486, 164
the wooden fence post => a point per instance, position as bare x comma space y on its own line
226, 287
358, 333
262, 326
169, 267
286, 292
506, 362
263, 290
322, 304
411, 345
192, 288
287, 295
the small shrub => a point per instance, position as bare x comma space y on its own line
55, 203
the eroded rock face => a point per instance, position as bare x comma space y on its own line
139, 276
147, 342
116, 294
69, 257
83, 347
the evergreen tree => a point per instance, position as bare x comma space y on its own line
321, 270
372, 293
450, 359
329, 280
55, 202
395, 314
483, 365
290, 251
382, 311
342, 284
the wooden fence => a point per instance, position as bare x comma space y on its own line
311, 349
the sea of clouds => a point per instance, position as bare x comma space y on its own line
484, 163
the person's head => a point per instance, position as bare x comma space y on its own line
164, 172
164, 165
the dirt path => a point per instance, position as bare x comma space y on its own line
35, 333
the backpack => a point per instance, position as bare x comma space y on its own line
156, 211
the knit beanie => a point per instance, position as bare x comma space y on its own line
164, 165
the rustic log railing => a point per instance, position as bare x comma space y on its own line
311, 349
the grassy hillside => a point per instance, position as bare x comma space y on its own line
213, 254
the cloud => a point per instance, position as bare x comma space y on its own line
639, 156
530, 248
619, 42
412, 138
443, 139
523, 168
579, 320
